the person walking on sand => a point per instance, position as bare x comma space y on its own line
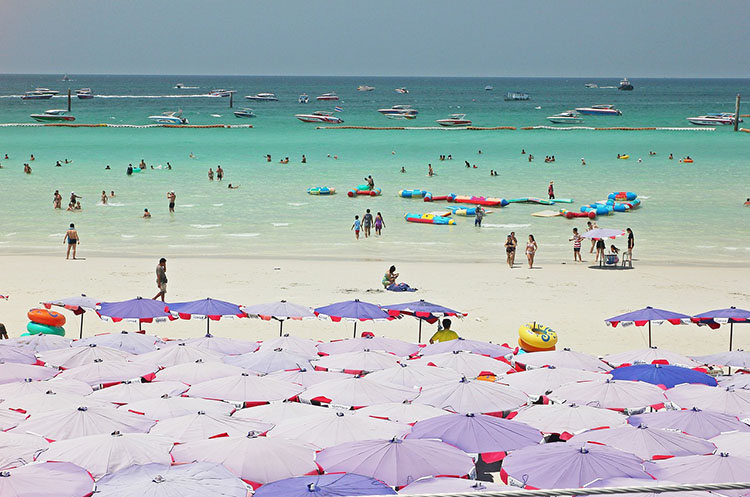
356, 227
161, 279
510, 250
219, 173
576, 239
551, 190
210, 174
379, 224
446, 334
367, 222
172, 198
531, 247
72, 239
600, 246
631, 243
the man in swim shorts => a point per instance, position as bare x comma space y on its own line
171, 197
367, 222
71, 238
161, 279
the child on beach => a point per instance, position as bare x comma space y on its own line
576, 239
356, 227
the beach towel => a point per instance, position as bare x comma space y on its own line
401, 287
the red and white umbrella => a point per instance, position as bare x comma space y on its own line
12, 373
19, 449
10, 419
134, 391
466, 345
63, 424
280, 311
411, 374
202, 426
369, 342
466, 363
333, 427
448, 485
40, 342
221, 345
107, 453
717, 468
72, 357
564, 358
356, 392
176, 354
358, 362
245, 388
611, 394
135, 343
300, 346
472, 396
56, 385
171, 407
541, 381
729, 400
568, 418
109, 372
735, 442
307, 377
269, 361
402, 412
649, 355
51, 479
198, 371
37, 403
257, 460
276, 412
16, 355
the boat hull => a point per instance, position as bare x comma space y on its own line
451, 123
47, 119
36, 97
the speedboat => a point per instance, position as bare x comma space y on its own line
267, 97
599, 110
625, 85
714, 119
84, 93
455, 120
365, 88
328, 96
319, 116
488, 88
65, 78
219, 93
591, 85
47, 90
402, 90
303, 99
400, 112
244, 113
169, 118
516, 95
53, 115
567, 117
36, 95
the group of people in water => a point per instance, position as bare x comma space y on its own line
366, 223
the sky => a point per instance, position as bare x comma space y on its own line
490, 38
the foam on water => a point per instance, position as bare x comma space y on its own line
204, 226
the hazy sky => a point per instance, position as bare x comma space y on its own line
634, 38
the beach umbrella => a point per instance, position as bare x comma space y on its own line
645, 442
564, 358
352, 310
723, 316
466, 396
202, 426
40, 342
127, 341
197, 371
413, 375
245, 388
541, 381
17, 355
162, 480
79, 304
643, 482
280, 311
10, 419
71, 357
569, 418
562, 465
300, 346
734, 358
268, 361
171, 407
648, 315
357, 392
110, 452
29, 386
137, 310
177, 354
736, 443
466, 363
208, 309
257, 460
402, 412
396, 462
694, 421
369, 342
277, 412
649, 355
717, 468
50, 479
364, 361
740, 380
109, 372
448, 485
221, 345
19, 449
332, 485
307, 377
72, 422
133, 391
727, 400
466, 345
662, 374
477, 433
422, 310
601, 233
611, 394
11, 373
331, 427
37, 403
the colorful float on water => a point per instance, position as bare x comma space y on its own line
364, 190
321, 190
412, 193
429, 219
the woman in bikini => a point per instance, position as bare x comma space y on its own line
510, 251
531, 247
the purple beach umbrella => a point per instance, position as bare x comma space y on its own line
353, 310
50, 479
466, 345
78, 304
330, 485
734, 358
448, 485
717, 468
662, 374
723, 316
280, 311
208, 309
703, 424
422, 310
137, 310
648, 315
727, 400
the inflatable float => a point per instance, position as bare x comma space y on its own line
371, 193
571, 214
624, 157
412, 193
622, 196
535, 337
488, 201
429, 197
531, 200
465, 211
37, 328
688, 161
321, 190
429, 219
44, 316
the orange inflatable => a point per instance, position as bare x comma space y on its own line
43, 316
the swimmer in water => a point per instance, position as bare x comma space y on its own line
304, 159
172, 198
105, 198
402, 169
191, 155
32, 157
146, 214
210, 174
112, 194
57, 164
107, 168
268, 157
169, 166
430, 172
231, 187
583, 161
671, 157
219, 173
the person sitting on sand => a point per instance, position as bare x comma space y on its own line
233, 187
444, 335
146, 214
615, 252
390, 276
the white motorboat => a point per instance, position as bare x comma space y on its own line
567, 117
36, 95
319, 116
303, 99
47, 91
599, 110
169, 118
84, 93
489, 88
402, 90
516, 95
625, 85
365, 88
400, 112
53, 115
591, 85
714, 119
328, 96
263, 97
219, 92
455, 120
244, 113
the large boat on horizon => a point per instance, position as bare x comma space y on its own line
169, 118
399, 112
625, 85
567, 117
53, 115
221, 92
263, 97
599, 110
713, 119
454, 120
319, 116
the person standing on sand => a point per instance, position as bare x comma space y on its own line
210, 174
72, 239
551, 190
576, 239
161, 279
531, 247
172, 198
219, 173
591, 226
430, 172
631, 243
510, 251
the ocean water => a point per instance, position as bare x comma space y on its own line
691, 212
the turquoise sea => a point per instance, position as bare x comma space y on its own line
691, 212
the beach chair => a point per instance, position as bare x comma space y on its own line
627, 259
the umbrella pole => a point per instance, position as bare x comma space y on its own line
420, 330
281, 327
649, 334
81, 334
731, 333
355, 329
208, 324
